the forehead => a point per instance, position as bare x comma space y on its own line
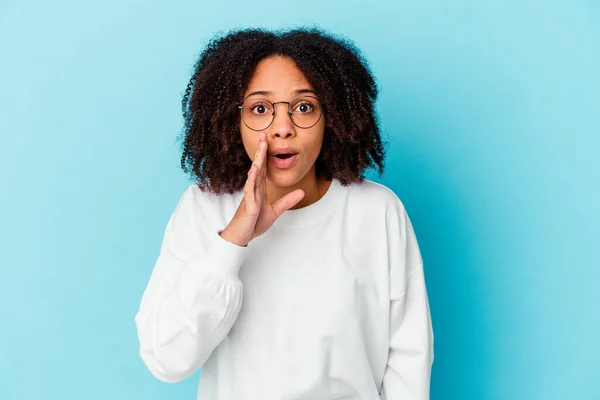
279, 75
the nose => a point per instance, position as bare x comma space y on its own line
282, 126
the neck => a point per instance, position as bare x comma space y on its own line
314, 188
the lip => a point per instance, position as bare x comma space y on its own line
283, 150
284, 163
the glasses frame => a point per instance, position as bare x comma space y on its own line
289, 112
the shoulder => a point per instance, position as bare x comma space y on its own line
376, 205
377, 221
383, 209
196, 216
375, 196
194, 194
197, 204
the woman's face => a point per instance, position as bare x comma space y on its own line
278, 79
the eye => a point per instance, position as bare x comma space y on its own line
303, 107
260, 108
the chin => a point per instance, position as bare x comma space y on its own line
284, 179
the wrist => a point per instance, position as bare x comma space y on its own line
232, 238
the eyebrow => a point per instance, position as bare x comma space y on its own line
267, 93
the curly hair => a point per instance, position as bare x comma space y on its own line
213, 150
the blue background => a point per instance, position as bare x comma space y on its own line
492, 110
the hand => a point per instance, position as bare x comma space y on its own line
255, 215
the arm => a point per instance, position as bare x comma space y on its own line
193, 296
410, 359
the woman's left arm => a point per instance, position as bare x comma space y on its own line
410, 360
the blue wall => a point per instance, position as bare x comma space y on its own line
492, 111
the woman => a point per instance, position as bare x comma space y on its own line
283, 272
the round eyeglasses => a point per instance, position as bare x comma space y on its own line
258, 114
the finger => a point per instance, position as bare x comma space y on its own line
256, 164
288, 201
265, 156
251, 184
262, 150
258, 157
257, 150
260, 162
262, 189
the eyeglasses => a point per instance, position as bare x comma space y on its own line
258, 114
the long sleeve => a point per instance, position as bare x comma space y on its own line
194, 294
410, 360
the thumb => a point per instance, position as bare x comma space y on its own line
288, 201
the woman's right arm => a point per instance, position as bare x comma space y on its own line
193, 296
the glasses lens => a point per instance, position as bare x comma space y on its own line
306, 111
257, 114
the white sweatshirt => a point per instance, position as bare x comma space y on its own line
330, 303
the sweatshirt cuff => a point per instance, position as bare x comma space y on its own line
225, 258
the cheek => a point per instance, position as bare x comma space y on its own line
250, 142
316, 145
315, 150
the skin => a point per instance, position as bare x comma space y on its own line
270, 191
282, 80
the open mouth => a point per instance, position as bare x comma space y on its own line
284, 156
284, 161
